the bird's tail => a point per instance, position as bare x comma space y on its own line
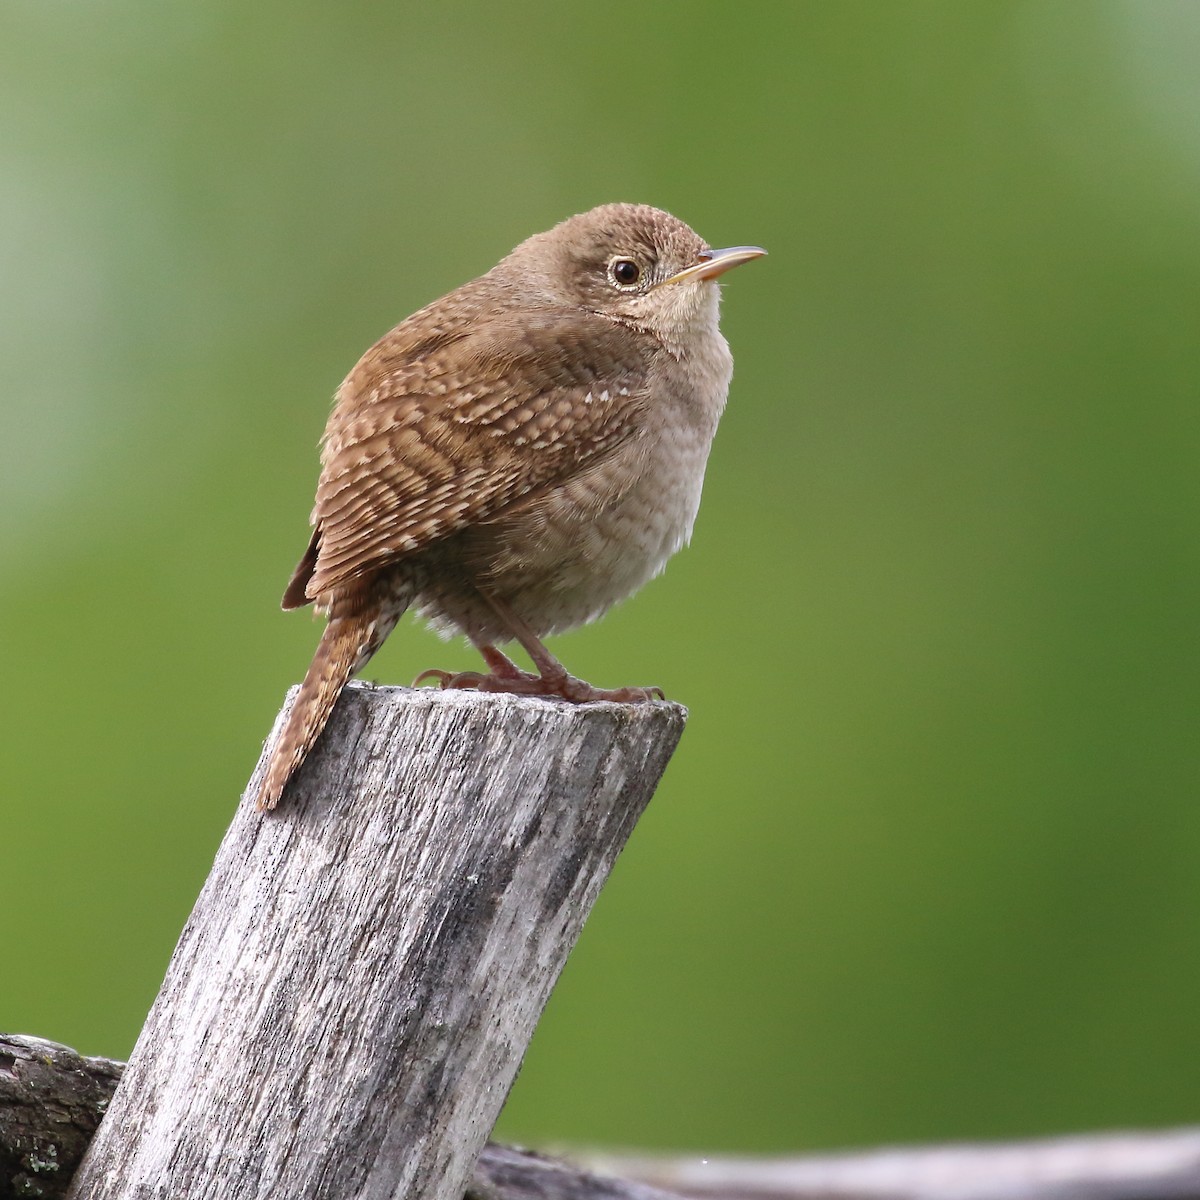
346, 645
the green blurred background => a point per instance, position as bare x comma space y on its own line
925, 865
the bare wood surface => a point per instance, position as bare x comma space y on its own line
51, 1100
1109, 1166
350, 1000
506, 1173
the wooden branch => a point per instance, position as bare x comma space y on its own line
1109, 1166
350, 1000
50, 1100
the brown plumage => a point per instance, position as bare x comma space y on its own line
516, 457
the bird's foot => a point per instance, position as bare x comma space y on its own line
523, 683
580, 692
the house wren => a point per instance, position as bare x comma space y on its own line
515, 458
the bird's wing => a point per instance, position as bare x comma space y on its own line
420, 447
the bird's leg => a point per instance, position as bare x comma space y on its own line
502, 666
552, 678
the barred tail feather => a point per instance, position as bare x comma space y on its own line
345, 646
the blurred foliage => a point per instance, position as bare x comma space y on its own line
925, 864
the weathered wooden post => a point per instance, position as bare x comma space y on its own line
351, 998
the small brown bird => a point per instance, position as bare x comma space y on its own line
516, 457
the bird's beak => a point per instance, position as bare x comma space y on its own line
711, 263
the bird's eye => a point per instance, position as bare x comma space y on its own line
624, 272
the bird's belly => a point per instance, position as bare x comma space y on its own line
577, 551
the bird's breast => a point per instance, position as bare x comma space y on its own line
570, 554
